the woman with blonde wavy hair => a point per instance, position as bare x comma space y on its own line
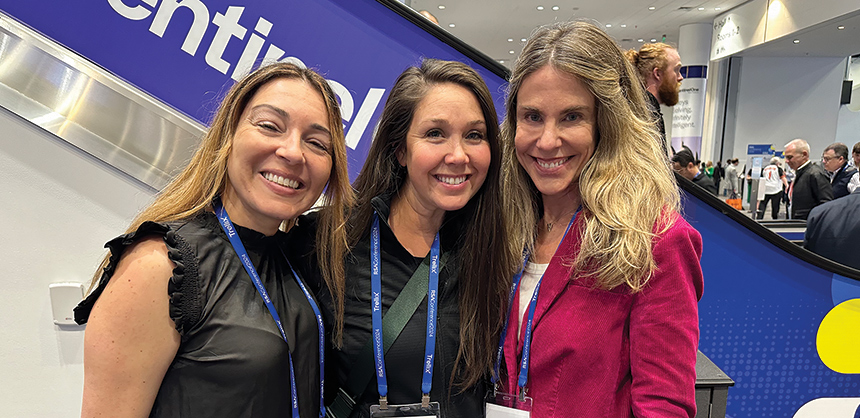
603, 320
193, 315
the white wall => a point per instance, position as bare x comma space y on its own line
59, 207
780, 99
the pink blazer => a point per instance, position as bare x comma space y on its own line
604, 354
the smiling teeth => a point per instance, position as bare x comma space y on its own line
274, 178
451, 180
551, 165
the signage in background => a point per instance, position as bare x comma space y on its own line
688, 115
739, 29
760, 149
187, 53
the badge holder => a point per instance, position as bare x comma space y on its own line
506, 405
425, 409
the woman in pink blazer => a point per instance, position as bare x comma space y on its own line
603, 320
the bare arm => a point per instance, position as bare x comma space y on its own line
130, 339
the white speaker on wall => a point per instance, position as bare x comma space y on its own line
64, 297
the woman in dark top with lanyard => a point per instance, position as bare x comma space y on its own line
428, 214
198, 313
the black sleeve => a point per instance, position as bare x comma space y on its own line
822, 190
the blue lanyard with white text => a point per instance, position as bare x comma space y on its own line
376, 313
524, 364
239, 248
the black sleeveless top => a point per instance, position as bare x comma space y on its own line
232, 360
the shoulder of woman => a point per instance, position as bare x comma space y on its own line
679, 232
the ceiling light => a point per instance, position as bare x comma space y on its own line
640, 40
797, 41
652, 8
511, 52
523, 40
451, 25
623, 26
653, 40
540, 7
441, 7
717, 9
840, 27
555, 7
701, 8
510, 39
608, 25
501, 61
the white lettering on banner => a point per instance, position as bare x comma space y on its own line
133, 13
229, 28
198, 27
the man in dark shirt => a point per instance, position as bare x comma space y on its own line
659, 68
835, 160
833, 230
811, 185
686, 165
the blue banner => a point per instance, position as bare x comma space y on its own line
760, 149
187, 53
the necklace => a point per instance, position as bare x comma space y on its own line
549, 225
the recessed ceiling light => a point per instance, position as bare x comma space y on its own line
501, 61
540, 7
653, 40
510, 39
717, 9
652, 8
701, 8
555, 7
511, 52
451, 25
441, 7
840, 27
797, 41
608, 25
523, 40
623, 26
640, 40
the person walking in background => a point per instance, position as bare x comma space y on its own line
732, 176
811, 185
611, 274
719, 173
774, 184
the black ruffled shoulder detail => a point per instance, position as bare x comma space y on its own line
183, 287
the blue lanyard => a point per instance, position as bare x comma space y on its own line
239, 248
376, 313
524, 364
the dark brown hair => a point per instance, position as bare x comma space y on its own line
486, 265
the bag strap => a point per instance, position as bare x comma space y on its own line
393, 322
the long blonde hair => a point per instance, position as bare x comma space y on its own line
205, 177
626, 187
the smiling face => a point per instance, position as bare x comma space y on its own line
280, 161
446, 152
556, 128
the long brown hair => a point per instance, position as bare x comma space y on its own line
486, 265
205, 177
620, 211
